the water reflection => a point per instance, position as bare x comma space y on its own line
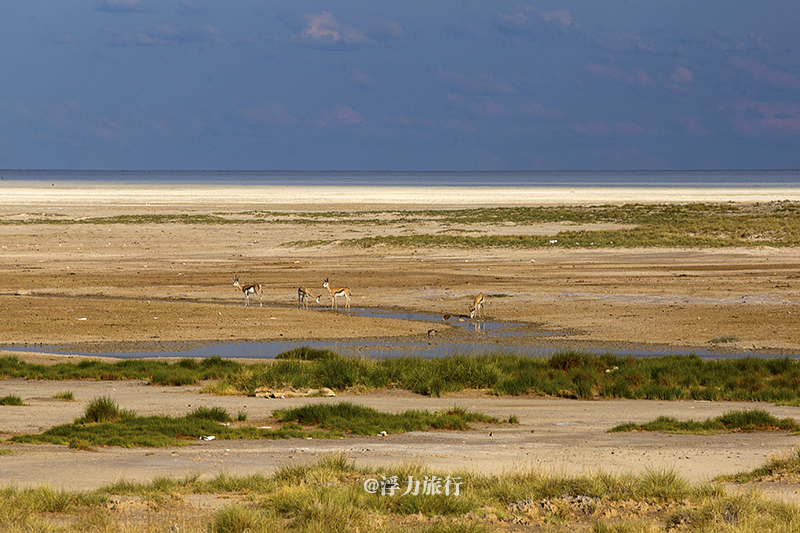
381, 349
501, 329
482, 336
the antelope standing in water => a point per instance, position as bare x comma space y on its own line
248, 290
305, 292
477, 308
338, 291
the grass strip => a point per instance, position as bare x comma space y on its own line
367, 421
105, 424
669, 225
567, 374
157, 432
733, 421
187, 371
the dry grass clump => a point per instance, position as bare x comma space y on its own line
329, 496
777, 468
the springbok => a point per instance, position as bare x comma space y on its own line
338, 291
248, 290
305, 292
477, 308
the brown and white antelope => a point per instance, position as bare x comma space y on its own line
338, 291
248, 290
305, 292
477, 307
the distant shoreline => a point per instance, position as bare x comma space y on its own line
416, 178
29, 195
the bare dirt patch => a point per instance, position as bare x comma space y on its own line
165, 283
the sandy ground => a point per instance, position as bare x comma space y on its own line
555, 436
114, 288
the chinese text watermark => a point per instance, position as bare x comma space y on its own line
429, 486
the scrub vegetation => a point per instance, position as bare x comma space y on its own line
329, 495
744, 421
361, 420
666, 225
184, 372
567, 374
707, 225
105, 424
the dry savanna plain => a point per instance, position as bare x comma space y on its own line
102, 269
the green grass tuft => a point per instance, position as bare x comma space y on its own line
11, 399
306, 353
104, 409
216, 414
753, 420
361, 420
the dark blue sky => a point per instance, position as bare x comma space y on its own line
404, 85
